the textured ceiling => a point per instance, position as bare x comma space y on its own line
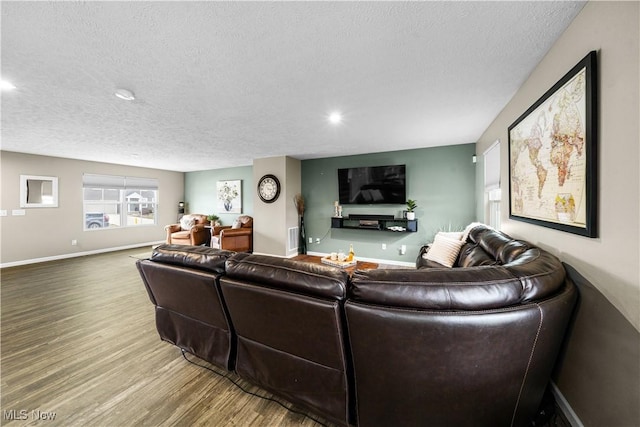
221, 83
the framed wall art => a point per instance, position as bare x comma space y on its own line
553, 155
229, 195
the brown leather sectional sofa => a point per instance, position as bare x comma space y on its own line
472, 345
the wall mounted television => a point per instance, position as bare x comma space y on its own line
370, 185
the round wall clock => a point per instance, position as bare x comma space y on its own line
268, 188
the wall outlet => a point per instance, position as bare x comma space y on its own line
74, 242
403, 249
384, 246
317, 240
310, 239
18, 212
3, 212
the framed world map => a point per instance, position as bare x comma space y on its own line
552, 155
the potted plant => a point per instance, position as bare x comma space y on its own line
411, 205
214, 219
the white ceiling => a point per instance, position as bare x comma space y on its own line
219, 84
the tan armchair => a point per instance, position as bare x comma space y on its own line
234, 239
192, 230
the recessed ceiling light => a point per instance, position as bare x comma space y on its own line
127, 95
335, 117
5, 85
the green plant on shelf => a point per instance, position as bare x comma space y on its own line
411, 205
214, 219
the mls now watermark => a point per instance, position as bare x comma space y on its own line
25, 415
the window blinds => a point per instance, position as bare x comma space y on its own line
118, 182
492, 167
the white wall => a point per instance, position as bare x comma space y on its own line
47, 232
272, 221
598, 372
610, 261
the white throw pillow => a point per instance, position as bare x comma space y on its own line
444, 250
236, 224
454, 235
187, 222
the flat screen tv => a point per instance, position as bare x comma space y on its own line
370, 185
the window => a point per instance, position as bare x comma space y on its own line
118, 201
493, 193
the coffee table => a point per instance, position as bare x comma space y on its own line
361, 265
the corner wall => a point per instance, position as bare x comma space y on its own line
599, 372
201, 192
270, 229
47, 232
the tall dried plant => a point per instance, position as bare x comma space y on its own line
298, 201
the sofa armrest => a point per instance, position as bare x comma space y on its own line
218, 228
235, 232
199, 235
170, 229
197, 228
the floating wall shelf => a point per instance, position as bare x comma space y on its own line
375, 222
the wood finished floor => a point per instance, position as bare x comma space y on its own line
78, 340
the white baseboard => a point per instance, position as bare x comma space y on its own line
565, 407
374, 260
76, 254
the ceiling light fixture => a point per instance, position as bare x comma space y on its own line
127, 95
335, 117
5, 85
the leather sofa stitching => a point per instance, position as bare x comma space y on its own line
526, 373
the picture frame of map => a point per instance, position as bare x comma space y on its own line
553, 155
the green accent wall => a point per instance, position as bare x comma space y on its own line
441, 179
200, 191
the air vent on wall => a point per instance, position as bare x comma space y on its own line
293, 239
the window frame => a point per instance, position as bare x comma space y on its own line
119, 215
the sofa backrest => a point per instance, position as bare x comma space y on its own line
198, 257
289, 320
285, 274
498, 247
493, 271
454, 368
183, 284
479, 340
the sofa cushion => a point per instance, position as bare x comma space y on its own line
455, 235
187, 222
469, 228
444, 250
472, 255
540, 273
198, 257
296, 276
179, 235
474, 288
512, 250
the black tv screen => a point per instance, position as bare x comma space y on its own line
372, 185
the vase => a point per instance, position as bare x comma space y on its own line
302, 240
411, 215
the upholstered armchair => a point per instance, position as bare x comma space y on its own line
238, 238
191, 230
